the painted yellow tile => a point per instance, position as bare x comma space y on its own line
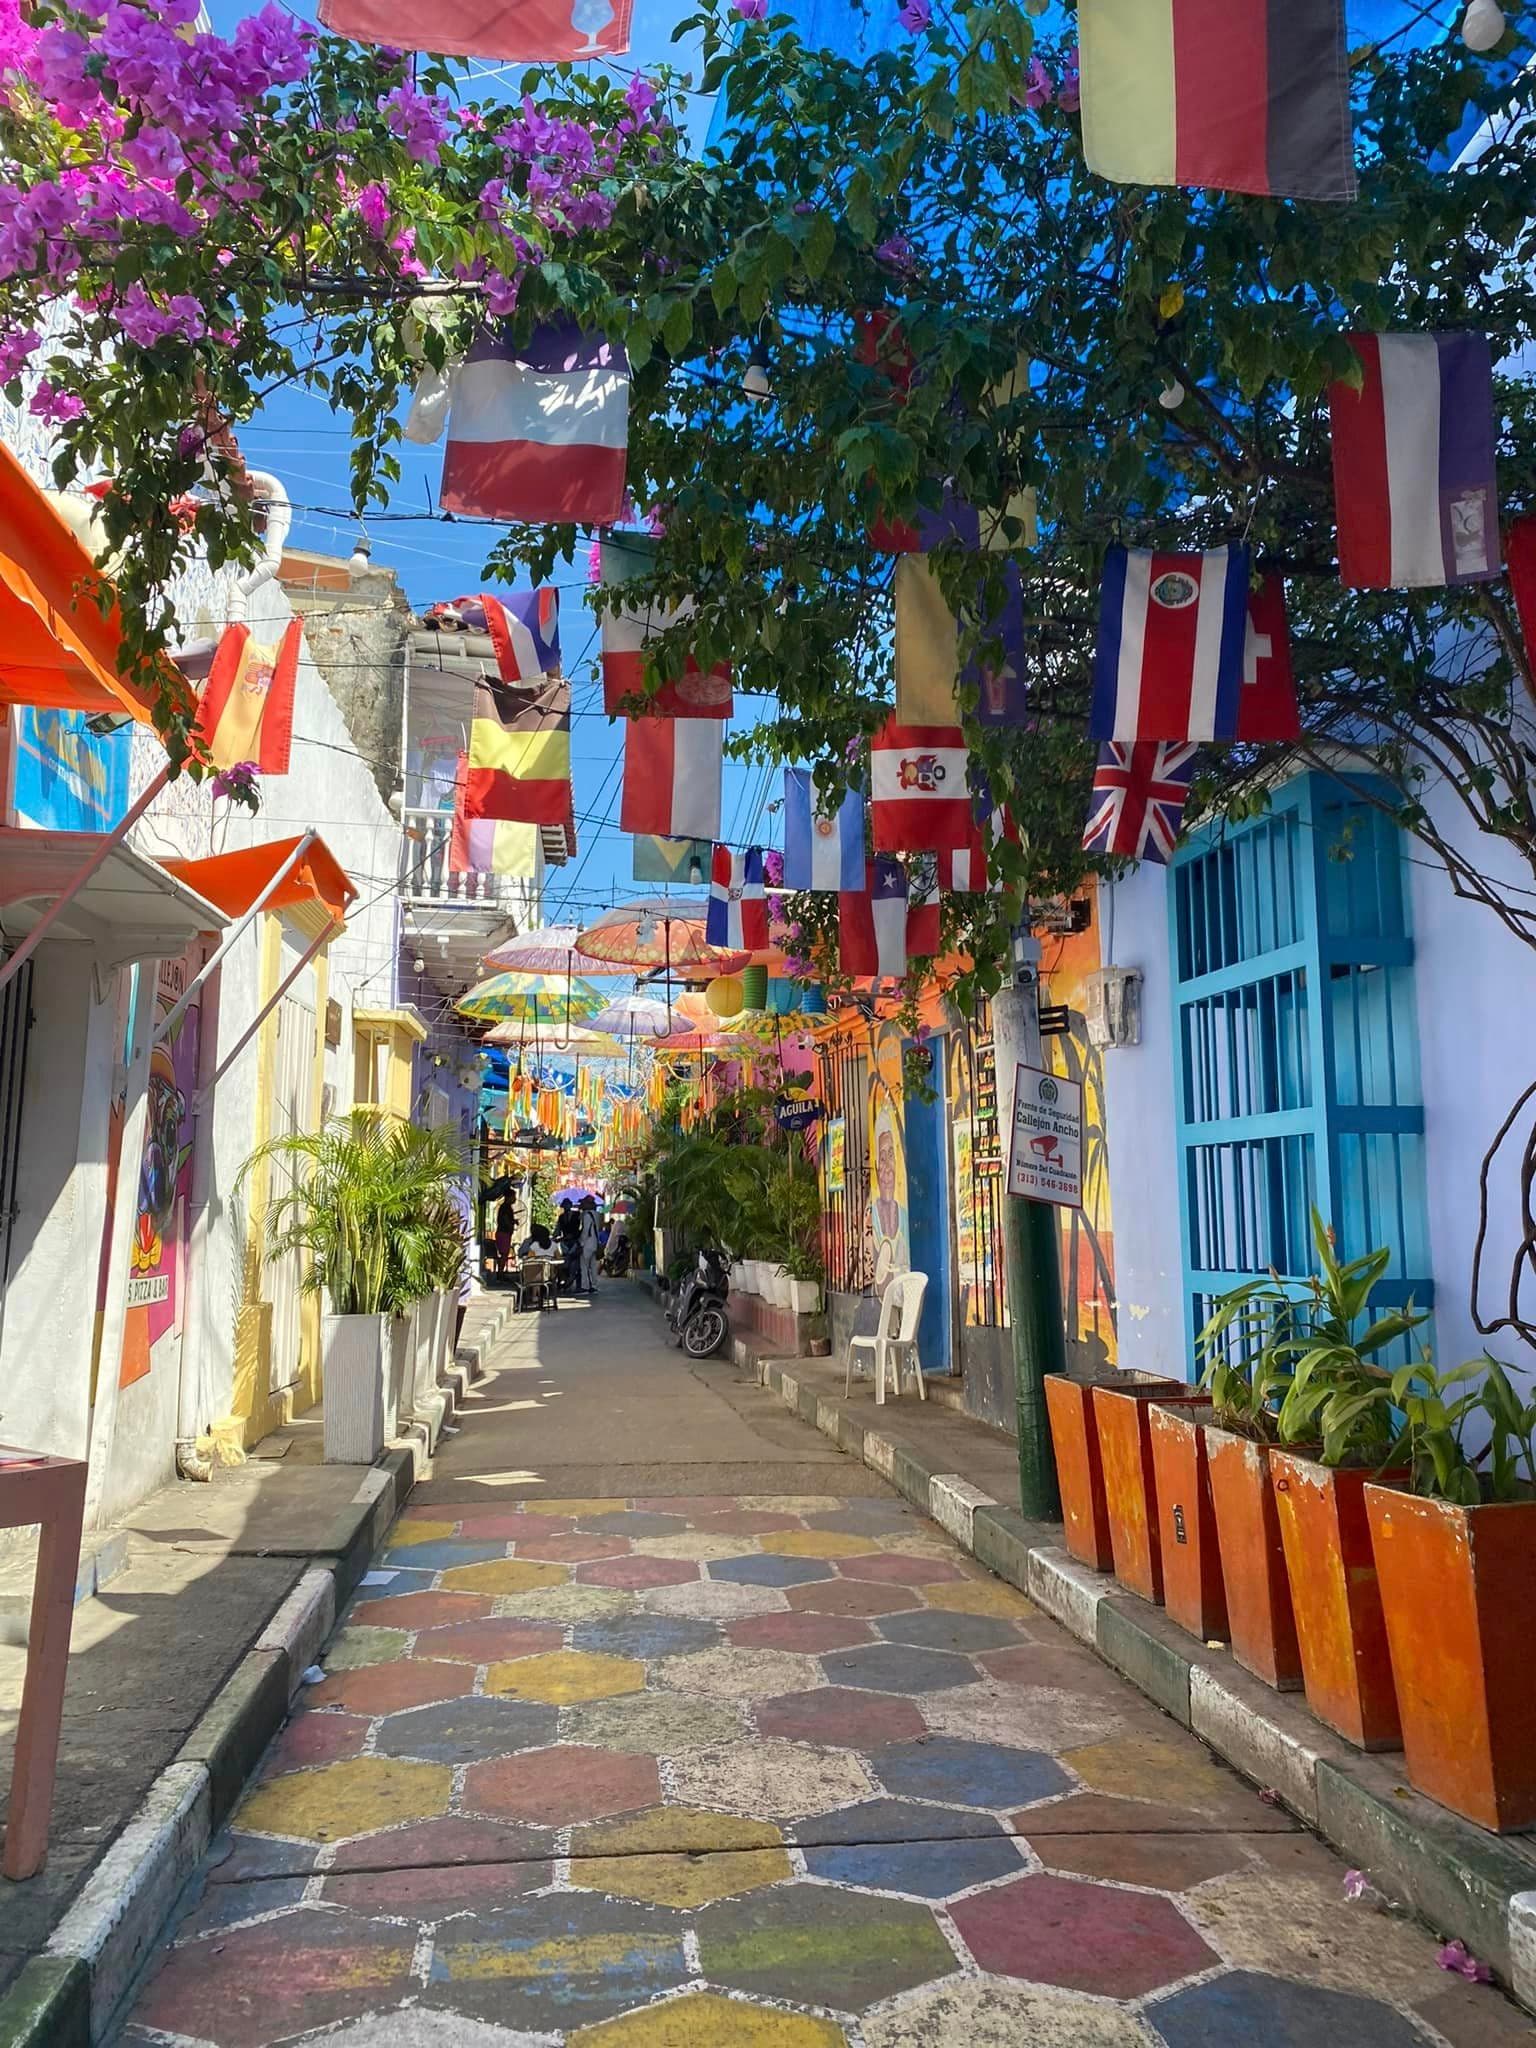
565, 1677
980, 1596
685, 1881
705, 2020
674, 1830
504, 1575
1149, 1767
351, 1798
816, 1543
420, 1532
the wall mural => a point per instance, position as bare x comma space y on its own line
1087, 1234
887, 1233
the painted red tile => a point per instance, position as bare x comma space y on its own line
840, 1716
632, 1572
246, 1987
897, 1570
445, 1841
557, 1787
385, 1688
811, 1633
423, 1610
571, 1549
490, 1642
1061, 1665
510, 1525
1083, 1937
849, 1596
311, 1739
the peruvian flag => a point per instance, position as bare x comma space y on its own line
737, 918
627, 626
672, 775
1266, 706
920, 799
1413, 463
1169, 661
872, 922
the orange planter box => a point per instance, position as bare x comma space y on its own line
1193, 1591
1336, 1595
1260, 1617
1120, 1413
1458, 1590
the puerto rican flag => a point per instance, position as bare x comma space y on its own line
821, 851
1413, 463
672, 776
537, 431
872, 922
737, 918
524, 629
920, 797
1139, 791
1172, 628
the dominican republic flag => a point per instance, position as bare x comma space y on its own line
672, 774
697, 692
1413, 467
519, 756
737, 918
1267, 707
1172, 628
1239, 95
537, 430
1520, 549
821, 851
919, 795
1138, 798
246, 709
872, 922
513, 32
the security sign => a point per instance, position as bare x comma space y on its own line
1045, 1160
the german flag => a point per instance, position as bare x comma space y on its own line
519, 761
246, 713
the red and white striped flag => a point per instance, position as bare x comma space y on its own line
672, 777
697, 692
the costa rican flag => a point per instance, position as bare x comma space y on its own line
1139, 793
872, 922
920, 798
737, 918
821, 851
537, 431
1169, 663
1413, 463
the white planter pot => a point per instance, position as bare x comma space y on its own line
754, 1270
442, 1334
805, 1297
357, 1358
777, 1290
398, 1389
739, 1278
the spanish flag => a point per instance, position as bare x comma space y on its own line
246, 712
519, 762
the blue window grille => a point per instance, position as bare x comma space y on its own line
1296, 1047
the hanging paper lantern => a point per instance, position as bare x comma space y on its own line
725, 995
754, 988
1482, 26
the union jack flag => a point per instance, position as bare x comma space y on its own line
1139, 788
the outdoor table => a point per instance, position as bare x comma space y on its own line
51, 1493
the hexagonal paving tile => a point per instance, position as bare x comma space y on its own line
645, 1635
557, 1787
391, 1581
872, 1517
771, 1571
849, 1596
431, 1890
819, 1946
730, 1673
426, 1610
890, 1568
566, 1677
703, 2019
808, 1633
982, 1596
1292, 1925
930, 1628
417, 2029
1026, 1716
746, 1522
1179, 1771
570, 1549
1164, 1863
893, 1667
447, 1843
1084, 1937
467, 1731
350, 1798
678, 1856
817, 1543
558, 1961
386, 1688
413, 1528
567, 1603
714, 1600
970, 1773
836, 1715
443, 1556
512, 1525
973, 2012
1246, 2006
654, 1723
488, 1642
636, 1573
311, 1739
353, 1648
891, 1845
506, 1575
700, 1547
771, 1780
632, 1522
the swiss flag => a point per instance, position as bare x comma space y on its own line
1266, 707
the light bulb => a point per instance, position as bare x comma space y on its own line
756, 382
1171, 397
1482, 26
361, 556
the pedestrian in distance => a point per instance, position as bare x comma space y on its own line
589, 1246
506, 1230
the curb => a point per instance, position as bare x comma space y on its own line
1461, 1880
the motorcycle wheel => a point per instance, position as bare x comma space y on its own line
705, 1332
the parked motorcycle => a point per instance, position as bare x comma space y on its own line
697, 1316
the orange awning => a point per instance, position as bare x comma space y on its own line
57, 650
233, 881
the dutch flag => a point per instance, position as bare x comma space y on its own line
821, 851
1172, 629
737, 918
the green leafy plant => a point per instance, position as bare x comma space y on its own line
1436, 1409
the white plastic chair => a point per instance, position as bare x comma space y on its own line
895, 1337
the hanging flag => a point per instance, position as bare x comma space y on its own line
697, 692
246, 709
919, 795
924, 925
872, 922
1247, 97
537, 430
821, 851
927, 647
1266, 705
737, 918
963, 869
1138, 798
1413, 463
493, 846
1520, 551
671, 860
524, 629
672, 775
513, 32
1169, 663
519, 757
996, 686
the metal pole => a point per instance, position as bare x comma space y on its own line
216, 959
1032, 1248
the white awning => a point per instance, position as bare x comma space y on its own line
128, 909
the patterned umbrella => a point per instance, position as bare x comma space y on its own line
639, 1016
545, 1002
593, 1045
549, 951
657, 931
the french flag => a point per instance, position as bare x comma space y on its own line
1169, 661
737, 918
821, 851
672, 776
1413, 463
538, 430
919, 792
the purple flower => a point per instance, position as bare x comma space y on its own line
773, 868
1454, 1956
915, 16
144, 322
190, 443
1356, 1884
1041, 90
58, 408
896, 252
16, 351
1069, 94
751, 10
372, 204
238, 783
640, 95
418, 119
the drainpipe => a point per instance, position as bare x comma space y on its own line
268, 490
189, 1391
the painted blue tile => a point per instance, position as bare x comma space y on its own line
770, 1571
932, 1629
645, 1635
399, 1581
1247, 2005
885, 1845
437, 1557
969, 1773
893, 1667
